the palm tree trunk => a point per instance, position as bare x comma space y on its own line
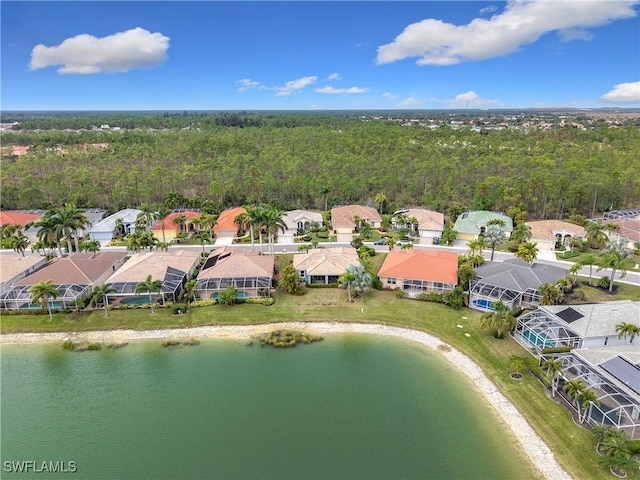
106, 310
76, 241
59, 246
613, 274
151, 303
251, 233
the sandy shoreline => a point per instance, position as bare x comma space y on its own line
534, 447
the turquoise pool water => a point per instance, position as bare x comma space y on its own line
137, 300
538, 338
36, 306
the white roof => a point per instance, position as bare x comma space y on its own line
596, 319
108, 224
292, 218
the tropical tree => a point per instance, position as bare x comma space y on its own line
550, 294
448, 235
517, 364
49, 230
390, 241
380, 199
43, 291
627, 329
615, 259
553, 367
202, 236
164, 246
146, 215
92, 246
70, 219
228, 295
149, 286
494, 235
500, 319
588, 399
475, 246
162, 213
304, 248
573, 389
189, 291
527, 251
99, 294
616, 454
174, 200
406, 246
521, 233
325, 192
466, 274
589, 259
596, 234
356, 279
273, 223
290, 279
19, 243
180, 221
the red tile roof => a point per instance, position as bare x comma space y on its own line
168, 220
225, 220
343, 216
430, 265
19, 218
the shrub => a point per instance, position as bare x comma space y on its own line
512, 248
547, 350
170, 343
178, 308
376, 283
68, 345
401, 294
94, 346
634, 446
324, 234
603, 282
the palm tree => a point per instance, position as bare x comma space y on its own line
42, 292
92, 246
119, 227
19, 243
466, 274
616, 260
325, 192
49, 230
174, 200
355, 279
149, 286
573, 389
527, 251
100, 293
202, 236
162, 213
589, 259
550, 294
180, 221
493, 236
517, 364
553, 367
588, 398
475, 246
380, 199
596, 234
390, 241
627, 329
521, 233
71, 219
249, 217
615, 449
190, 291
499, 319
146, 215
274, 223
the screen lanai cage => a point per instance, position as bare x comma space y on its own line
616, 383
19, 297
125, 292
483, 296
249, 286
537, 330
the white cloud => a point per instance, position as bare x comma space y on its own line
334, 76
523, 22
487, 10
624, 93
390, 96
120, 52
471, 99
410, 102
332, 90
294, 85
245, 84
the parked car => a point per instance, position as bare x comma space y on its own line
403, 242
436, 240
381, 241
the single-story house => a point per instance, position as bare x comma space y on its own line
343, 220
546, 234
106, 229
94, 215
420, 271
324, 265
297, 221
628, 231
22, 218
606, 363
430, 224
513, 282
13, 267
165, 230
590, 325
74, 277
173, 268
250, 273
613, 374
226, 230
471, 225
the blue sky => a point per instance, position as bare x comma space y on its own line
287, 55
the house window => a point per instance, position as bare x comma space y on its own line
391, 281
302, 273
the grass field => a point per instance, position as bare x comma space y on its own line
572, 445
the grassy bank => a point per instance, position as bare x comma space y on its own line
572, 445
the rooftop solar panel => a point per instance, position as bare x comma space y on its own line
569, 315
624, 371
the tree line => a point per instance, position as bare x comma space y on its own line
323, 161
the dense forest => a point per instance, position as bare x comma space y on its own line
303, 161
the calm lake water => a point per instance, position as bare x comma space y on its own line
350, 407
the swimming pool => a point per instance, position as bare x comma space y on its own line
36, 306
538, 338
137, 300
241, 295
484, 303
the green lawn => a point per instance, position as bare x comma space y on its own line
572, 445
